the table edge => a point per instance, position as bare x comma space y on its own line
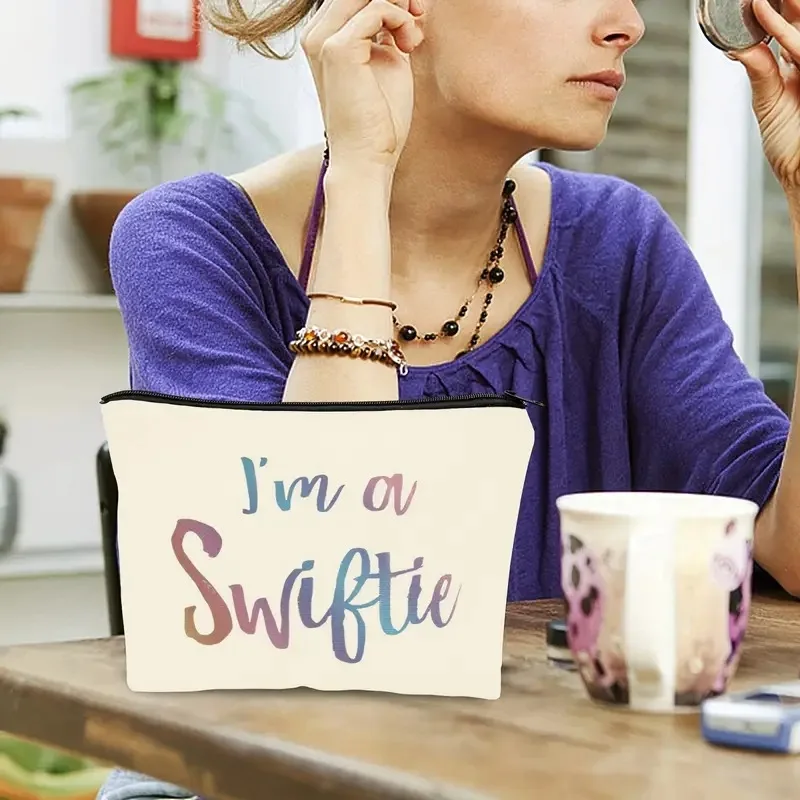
29, 711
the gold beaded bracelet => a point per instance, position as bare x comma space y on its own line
313, 340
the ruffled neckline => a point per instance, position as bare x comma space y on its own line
511, 350
496, 365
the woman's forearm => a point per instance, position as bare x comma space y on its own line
354, 261
778, 530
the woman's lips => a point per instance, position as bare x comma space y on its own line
605, 85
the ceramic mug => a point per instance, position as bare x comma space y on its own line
658, 589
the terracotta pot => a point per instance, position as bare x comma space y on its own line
23, 202
96, 213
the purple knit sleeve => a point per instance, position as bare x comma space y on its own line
698, 421
204, 295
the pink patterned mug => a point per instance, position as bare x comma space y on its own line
658, 594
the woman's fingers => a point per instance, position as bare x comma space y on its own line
335, 14
764, 74
787, 66
790, 10
373, 20
780, 27
321, 21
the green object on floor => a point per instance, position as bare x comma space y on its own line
36, 758
29, 771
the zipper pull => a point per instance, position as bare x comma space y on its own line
525, 401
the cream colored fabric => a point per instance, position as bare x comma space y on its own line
435, 491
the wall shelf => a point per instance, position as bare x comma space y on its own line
57, 301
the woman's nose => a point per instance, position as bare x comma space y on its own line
622, 27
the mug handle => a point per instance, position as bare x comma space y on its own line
649, 614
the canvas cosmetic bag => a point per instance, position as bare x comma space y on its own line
336, 546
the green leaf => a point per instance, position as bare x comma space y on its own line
137, 109
17, 112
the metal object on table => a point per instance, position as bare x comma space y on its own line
558, 652
731, 25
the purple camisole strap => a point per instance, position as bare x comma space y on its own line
313, 229
316, 215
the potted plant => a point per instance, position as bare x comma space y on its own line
138, 111
23, 202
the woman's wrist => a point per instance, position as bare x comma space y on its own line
364, 182
355, 245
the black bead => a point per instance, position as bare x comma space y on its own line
497, 253
474, 339
462, 312
333, 347
488, 299
509, 214
408, 333
496, 275
429, 337
450, 328
508, 187
484, 274
484, 315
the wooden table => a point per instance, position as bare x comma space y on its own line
542, 739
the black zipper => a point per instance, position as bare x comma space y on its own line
508, 399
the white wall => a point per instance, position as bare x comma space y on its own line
725, 190
52, 608
56, 360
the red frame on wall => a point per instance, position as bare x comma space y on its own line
126, 41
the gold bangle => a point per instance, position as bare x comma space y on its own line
356, 301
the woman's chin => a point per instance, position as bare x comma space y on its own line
576, 131
585, 137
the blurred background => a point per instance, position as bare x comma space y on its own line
82, 130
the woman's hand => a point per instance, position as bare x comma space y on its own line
358, 51
776, 91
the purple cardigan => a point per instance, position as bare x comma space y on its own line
621, 337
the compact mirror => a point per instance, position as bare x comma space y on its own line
730, 24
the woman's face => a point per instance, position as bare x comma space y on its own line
516, 65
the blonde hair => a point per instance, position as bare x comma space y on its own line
256, 29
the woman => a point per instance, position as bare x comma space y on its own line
422, 226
